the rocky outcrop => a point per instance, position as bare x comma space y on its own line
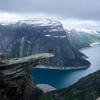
46, 87
15, 80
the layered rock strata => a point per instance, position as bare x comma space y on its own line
15, 80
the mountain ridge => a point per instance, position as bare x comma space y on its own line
19, 40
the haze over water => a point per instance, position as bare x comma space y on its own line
64, 78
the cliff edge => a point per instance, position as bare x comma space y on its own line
15, 80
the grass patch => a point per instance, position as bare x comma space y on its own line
45, 96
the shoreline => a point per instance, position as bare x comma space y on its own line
91, 45
62, 68
70, 67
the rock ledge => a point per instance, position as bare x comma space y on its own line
15, 80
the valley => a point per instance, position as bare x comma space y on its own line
28, 37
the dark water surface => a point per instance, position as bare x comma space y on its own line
64, 78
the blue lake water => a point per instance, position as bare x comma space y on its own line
64, 78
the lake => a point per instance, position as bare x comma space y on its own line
63, 78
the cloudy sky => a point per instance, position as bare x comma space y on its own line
71, 11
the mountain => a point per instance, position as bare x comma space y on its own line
81, 38
98, 30
87, 88
28, 37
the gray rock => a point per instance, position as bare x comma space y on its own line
46, 87
15, 80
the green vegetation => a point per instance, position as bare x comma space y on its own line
85, 89
76, 62
45, 96
70, 96
87, 39
15, 51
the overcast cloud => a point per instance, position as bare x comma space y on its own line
77, 9
72, 13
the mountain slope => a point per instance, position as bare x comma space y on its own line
38, 36
82, 38
87, 88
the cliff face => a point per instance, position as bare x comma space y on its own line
87, 88
28, 37
15, 80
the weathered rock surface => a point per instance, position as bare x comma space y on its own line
46, 87
15, 80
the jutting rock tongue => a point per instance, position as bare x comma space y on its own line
15, 80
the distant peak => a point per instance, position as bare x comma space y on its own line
82, 30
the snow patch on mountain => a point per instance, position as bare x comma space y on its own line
82, 30
34, 22
47, 35
55, 36
40, 22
